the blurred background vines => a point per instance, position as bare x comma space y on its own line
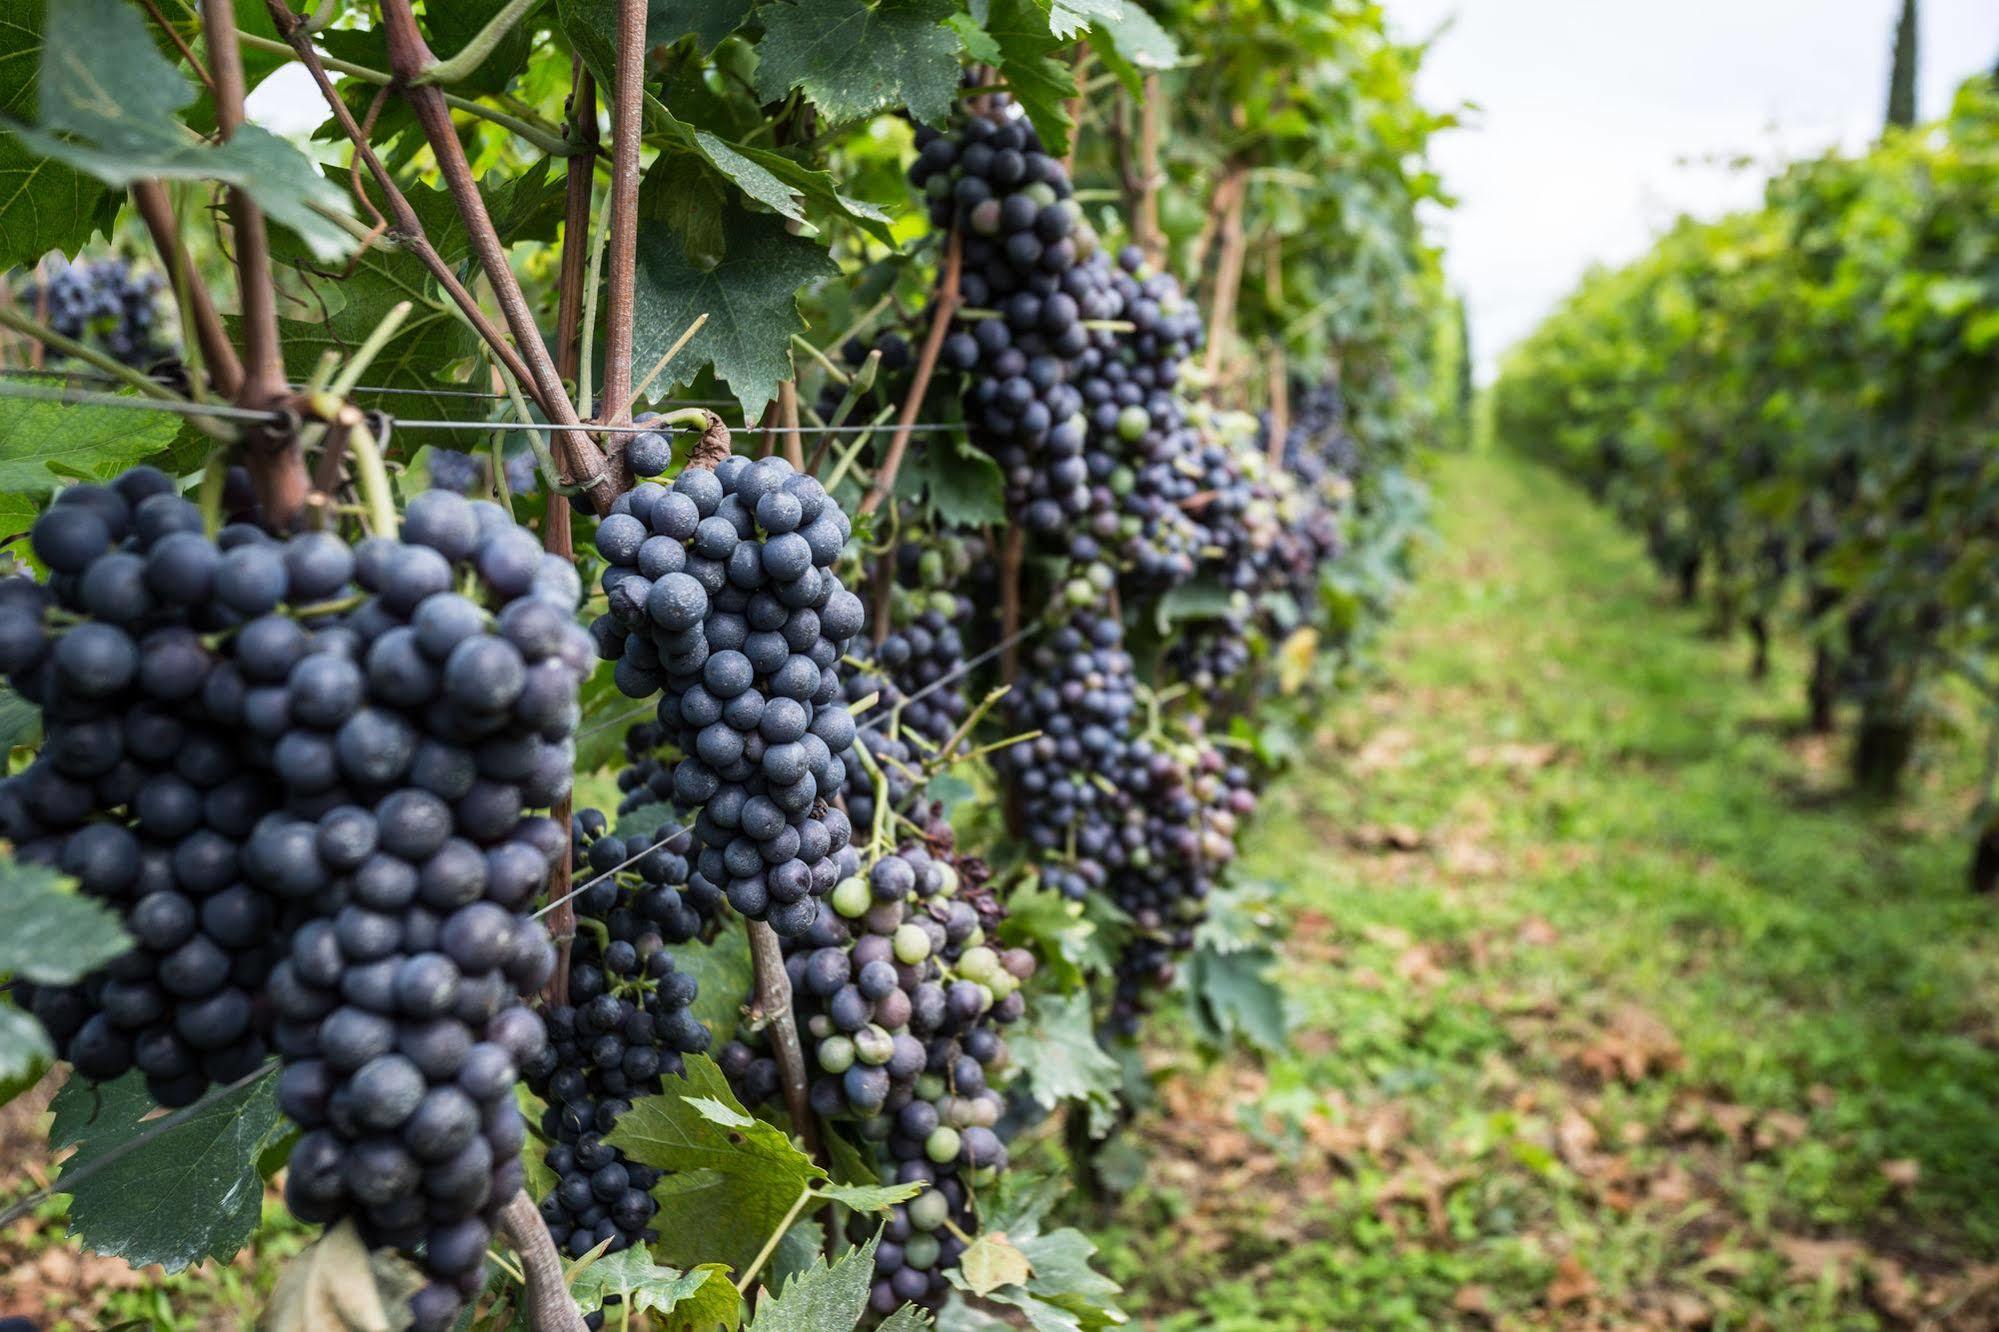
1795, 406
638, 638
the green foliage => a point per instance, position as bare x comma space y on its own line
854, 59
700, 1300
107, 105
50, 441
824, 1297
54, 936
135, 1184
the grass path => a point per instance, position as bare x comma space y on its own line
1611, 1011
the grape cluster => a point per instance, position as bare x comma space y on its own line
425, 723
467, 473
1141, 442
627, 1024
1076, 780
722, 596
1025, 247
103, 304
892, 756
918, 655
146, 789
917, 1247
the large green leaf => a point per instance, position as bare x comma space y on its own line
183, 1194
89, 440
855, 59
54, 935
750, 299
44, 205
700, 1299
25, 1053
1058, 1053
452, 25
592, 25
1133, 45
725, 973
1041, 83
963, 482
1069, 19
732, 1178
109, 105
1232, 996
822, 1298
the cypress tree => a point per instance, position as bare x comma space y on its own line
1902, 81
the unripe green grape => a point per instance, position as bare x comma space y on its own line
978, 963
920, 1252
872, 1045
942, 1144
836, 1054
929, 1210
851, 897
911, 944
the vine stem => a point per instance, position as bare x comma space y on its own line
225, 371
1077, 105
549, 1306
1010, 561
1228, 274
770, 1245
599, 478
627, 107
919, 384
1279, 386
772, 1004
409, 228
276, 460
474, 53
1145, 218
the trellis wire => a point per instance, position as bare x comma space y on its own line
227, 412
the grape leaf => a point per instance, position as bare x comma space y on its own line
700, 1298
1069, 19
799, 1247
44, 205
908, 1318
979, 44
20, 720
1059, 934
336, 1283
962, 481
97, 441
109, 104
17, 514
750, 298
1041, 83
991, 1261
25, 1053
54, 934
855, 59
1201, 599
600, 740
822, 1298
648, 819
452, 26
734, 1177
183, 1194
724, 972
870, 1197
1061, 1293
1132, 46
1232, 996
1059, 1055
592, 25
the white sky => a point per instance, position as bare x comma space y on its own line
1600, 121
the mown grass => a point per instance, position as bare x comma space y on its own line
1612, 1009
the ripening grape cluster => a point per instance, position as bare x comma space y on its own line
104, 304
467, 473
722, 597
1025, 244
902, 998
627, 1024
1141, 441
302, 772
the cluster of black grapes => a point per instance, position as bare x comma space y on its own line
1319, 443
1142, 443
401, 1015
1025, 246
302, 771
104, 304
627, 1024
469, 473
904, 999
147, 788
722, 596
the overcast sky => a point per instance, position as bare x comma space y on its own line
1600, 121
